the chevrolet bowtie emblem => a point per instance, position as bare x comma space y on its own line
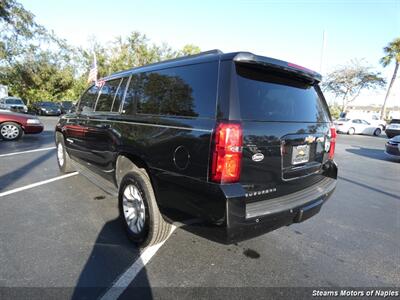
310, 139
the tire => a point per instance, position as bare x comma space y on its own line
377, 132
10, 131
63, 159
139, 212
351, 131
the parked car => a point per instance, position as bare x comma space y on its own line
244, 142
13, 104
66, 107
47, 108
357, 126
393, 129
373, 119
393, 148
13, 125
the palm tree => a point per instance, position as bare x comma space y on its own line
392, 51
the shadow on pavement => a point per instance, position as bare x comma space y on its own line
112, 254
378, 154
369, 187
28, 142
11, 177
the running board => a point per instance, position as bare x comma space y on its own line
96, 179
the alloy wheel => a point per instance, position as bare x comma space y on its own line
134, 209
9, 131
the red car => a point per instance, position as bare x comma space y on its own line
13, 125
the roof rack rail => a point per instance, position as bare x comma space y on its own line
214, 51
209, 52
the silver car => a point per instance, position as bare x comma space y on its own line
13, 104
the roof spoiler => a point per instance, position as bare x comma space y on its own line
250, 58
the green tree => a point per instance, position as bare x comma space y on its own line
38, 65
392, 53
39, 77
27, 66
189, 49
347, 82
335, 111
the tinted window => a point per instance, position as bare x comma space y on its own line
66, 104
182, 91
132, 94
107, 95
14, 101
266, 96
49, 104
88, 100
119, 95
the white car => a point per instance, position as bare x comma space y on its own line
13, 104
357, 126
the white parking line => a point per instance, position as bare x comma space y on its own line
28, 151
123, 282
29, 186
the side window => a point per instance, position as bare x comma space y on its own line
134, 93
107, 95
119, 95
88, 100
183, 91
356, 121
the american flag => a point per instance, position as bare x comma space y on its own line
93, 70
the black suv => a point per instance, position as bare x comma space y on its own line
242, 141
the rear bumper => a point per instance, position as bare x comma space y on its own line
230, 216
392, 150
392, 132
244, 221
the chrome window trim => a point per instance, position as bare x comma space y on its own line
121, 105
152, 125
116, 93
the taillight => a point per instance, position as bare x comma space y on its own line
227, 153
332, 142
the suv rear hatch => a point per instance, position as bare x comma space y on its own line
285, 122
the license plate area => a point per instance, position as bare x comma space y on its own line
300, 154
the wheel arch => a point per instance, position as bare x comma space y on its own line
16, 122
127, 162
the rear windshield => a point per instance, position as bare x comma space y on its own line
265, 96
395, 121
66, 104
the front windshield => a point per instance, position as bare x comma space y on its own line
14, 101
49, 104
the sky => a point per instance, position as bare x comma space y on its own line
287, 30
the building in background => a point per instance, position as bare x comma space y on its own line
3, 91
373, 110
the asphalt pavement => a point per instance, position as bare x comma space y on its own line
65, 234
